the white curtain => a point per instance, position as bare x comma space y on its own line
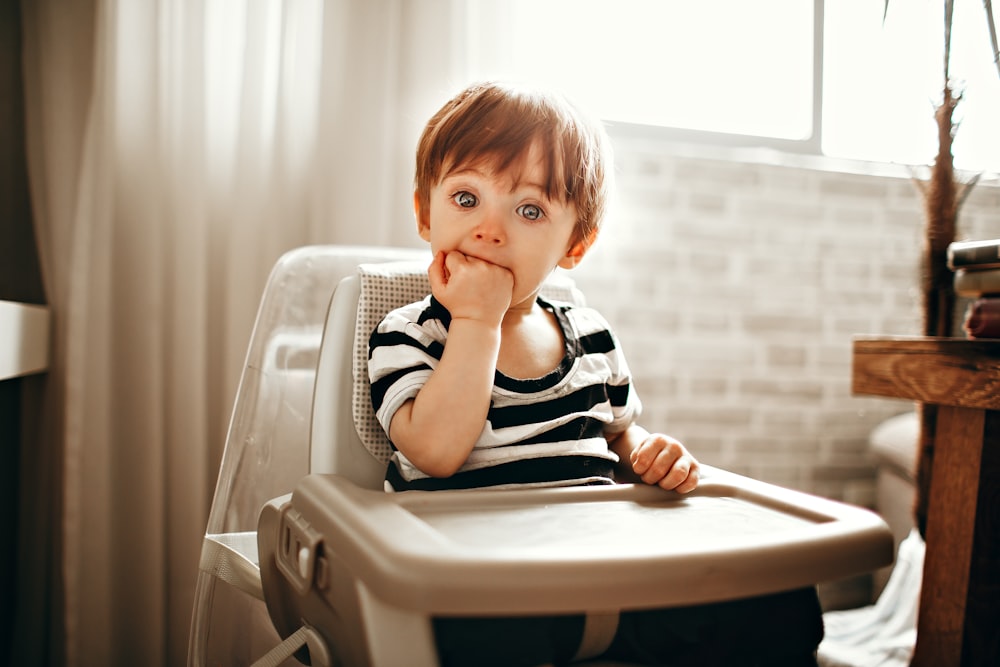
177, 148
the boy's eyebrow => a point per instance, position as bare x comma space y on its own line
463, 171
515, 182
528, 184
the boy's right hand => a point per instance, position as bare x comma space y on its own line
471, 288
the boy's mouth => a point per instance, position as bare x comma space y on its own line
482, 259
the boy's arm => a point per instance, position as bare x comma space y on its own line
438, 428
655, 459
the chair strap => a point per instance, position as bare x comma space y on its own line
318, 653
599, 630
232, 557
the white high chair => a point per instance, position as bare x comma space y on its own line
356, 574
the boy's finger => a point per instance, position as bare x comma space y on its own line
691, 483
640, 462
644, 456
436, 272
676, 475
683, 477
662, 461
657, 449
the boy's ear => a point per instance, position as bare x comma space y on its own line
423, 224
576, 251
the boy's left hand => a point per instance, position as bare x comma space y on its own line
665, 462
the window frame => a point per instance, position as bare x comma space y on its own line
480, 12
481, 49
811, 145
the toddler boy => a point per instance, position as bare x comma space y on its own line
484, 383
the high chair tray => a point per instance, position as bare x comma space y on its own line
460, 552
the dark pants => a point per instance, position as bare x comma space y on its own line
777, 630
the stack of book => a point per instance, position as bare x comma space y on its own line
977, 276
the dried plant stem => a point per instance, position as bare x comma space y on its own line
941, 211
941, 203
988, 4
949, 11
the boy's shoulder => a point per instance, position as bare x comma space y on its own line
409, 309
586, 318
422, 312
563, 308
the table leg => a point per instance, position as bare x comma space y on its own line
960, 598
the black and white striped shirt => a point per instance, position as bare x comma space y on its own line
547, 431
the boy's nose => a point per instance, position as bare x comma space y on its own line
489, 230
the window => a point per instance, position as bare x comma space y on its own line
800, 76
881, 82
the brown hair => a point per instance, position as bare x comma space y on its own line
497, 124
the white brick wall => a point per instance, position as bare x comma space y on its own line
736, 287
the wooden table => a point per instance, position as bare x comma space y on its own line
959, 616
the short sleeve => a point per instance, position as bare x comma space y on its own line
403, 352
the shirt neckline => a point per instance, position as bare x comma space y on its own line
571, 349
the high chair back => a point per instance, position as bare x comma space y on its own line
267, 448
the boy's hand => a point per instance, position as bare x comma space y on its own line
471, 288
665, 462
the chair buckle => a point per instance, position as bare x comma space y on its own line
298, 549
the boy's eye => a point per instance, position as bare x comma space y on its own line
529, 212
465, 199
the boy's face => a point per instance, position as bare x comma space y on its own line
503, 218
